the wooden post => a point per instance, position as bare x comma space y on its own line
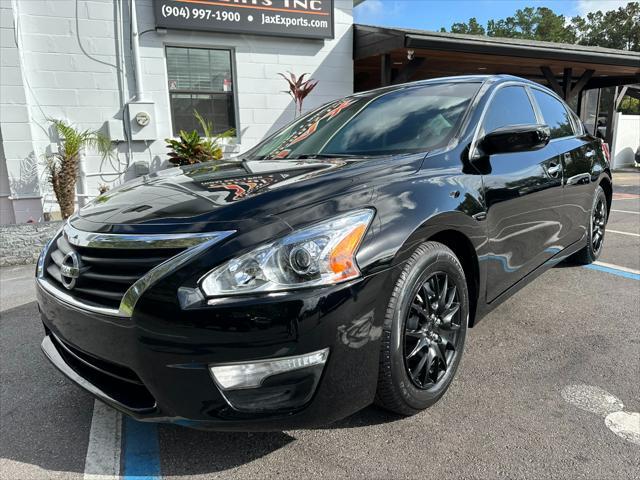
620, 95
385, 70
566, 83
580, 84
551, 80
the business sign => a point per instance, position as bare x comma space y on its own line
284, 18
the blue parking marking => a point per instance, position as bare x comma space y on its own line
614, 271
141, 451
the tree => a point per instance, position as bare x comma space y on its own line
629, 106
62, 166
505, 27
535, 24
551, 27
613, 29
472, 28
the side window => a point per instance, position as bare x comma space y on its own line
554, 113
577, 123
509, 106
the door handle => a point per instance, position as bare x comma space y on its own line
580, 179
554, 170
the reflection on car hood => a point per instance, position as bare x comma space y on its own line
221, 191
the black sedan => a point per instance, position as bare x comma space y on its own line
339, 263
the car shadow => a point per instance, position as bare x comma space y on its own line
568, 263
184, 451
195, 452
366, 417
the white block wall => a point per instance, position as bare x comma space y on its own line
19, 183
65, 65
626, 141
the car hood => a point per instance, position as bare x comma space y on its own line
229, 191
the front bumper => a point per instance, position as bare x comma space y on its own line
154, 365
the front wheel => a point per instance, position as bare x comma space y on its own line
597, 224
424, 331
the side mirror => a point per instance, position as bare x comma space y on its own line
515, 138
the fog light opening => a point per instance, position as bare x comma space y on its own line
239, 376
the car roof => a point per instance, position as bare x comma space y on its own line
494, 79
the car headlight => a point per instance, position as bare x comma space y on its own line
321, 254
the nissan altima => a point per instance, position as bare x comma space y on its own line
339, 263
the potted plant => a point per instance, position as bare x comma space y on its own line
191, 148
62, 166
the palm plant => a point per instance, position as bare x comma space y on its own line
191, 148
299, 88
62, 166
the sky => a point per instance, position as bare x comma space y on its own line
433, 14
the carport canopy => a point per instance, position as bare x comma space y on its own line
385, 56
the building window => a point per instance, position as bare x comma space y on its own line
200, 79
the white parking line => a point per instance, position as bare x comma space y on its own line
625, 211
625, 425
594, 399
105, 442
618, 267
623, 233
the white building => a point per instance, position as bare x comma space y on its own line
76, 61
79, 61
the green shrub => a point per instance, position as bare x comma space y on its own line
191, 148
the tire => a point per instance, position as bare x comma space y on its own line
598, 217
402, 387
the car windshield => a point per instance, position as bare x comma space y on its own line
414, 119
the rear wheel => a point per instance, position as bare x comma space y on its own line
597, 224
424, 331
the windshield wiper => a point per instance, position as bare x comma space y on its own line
323, 155
307, 156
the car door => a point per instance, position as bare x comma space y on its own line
576, 153
522, 193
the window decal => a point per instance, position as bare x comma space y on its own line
308, 128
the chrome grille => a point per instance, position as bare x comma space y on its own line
105, 273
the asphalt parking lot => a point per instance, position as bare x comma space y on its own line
548, 388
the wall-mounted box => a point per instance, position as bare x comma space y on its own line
142, 120
115, 130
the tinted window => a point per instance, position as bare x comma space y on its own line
407, 120
411, 120
509, 106
555, 114
308, 134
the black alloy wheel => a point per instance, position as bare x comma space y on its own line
595, 230
431, 331
598, 223
424, 330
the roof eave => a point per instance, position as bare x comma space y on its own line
497, 46
519, 50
